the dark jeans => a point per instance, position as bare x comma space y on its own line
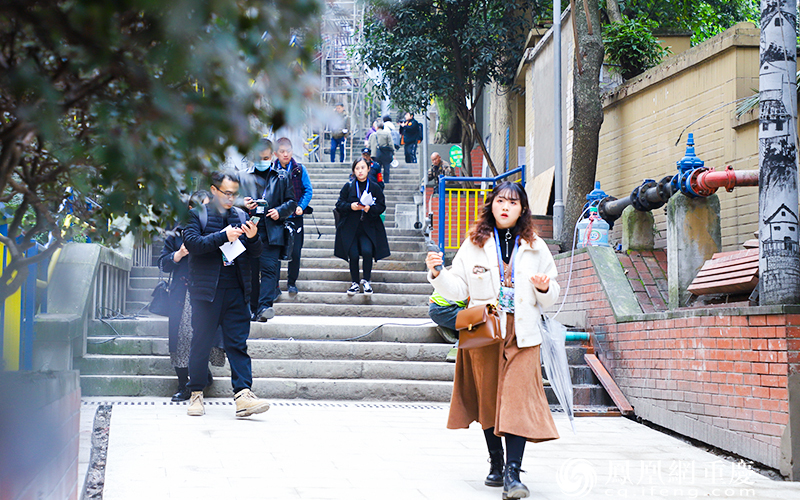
294, 264
411, 152
362, 246
444, 315
270, 272
229, 310
385, 157
337, 144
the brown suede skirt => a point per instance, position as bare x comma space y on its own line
500, 386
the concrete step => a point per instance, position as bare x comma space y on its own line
277, 388
148, 284
310, 327
278, 368
414, 245
378, 276
389, 264
331, 274
324, 253
332, 297
286, 349
313, 388
291, 350
400, 184
356, 310
341, 298
390, 231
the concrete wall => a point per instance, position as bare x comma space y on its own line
644, 117
39, 435
537, 76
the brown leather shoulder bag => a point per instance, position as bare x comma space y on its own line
478, 326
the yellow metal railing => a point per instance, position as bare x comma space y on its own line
463, 208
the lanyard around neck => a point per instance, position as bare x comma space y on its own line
366, 188
500, 258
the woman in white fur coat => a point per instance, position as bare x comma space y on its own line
500, 385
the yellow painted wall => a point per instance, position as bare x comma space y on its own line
644, 117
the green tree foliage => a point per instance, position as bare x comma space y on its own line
631, 46
446, 49
702, 18
124, 102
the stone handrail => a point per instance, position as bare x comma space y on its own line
89, 282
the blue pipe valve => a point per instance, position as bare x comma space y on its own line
688, 164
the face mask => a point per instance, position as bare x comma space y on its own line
262, 165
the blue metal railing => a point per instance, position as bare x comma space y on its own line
443, 180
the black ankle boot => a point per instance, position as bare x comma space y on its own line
183, 394
512, 486
495, 477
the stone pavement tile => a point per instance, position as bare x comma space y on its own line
355, 451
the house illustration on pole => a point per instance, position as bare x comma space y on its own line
783, 226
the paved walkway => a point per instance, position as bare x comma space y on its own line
359, 451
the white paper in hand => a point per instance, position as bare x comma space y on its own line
367, 199
232, 250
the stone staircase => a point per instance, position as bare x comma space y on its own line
312, 349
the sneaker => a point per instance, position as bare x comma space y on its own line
265, 314
354, 289
196, 408
367, 287
248, 404
451, 355
292, 290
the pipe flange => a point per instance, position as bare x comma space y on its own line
601, 209
665, 190
638, 199
698, 187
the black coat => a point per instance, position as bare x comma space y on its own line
412, 132
350, 220
178, 285
205, 257
275, 187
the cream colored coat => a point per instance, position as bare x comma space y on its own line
460, 282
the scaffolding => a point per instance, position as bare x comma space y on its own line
343, 80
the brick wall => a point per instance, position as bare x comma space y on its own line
39, 435
716, 375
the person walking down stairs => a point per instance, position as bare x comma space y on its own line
269, 195
360, 231
174, 260
220, 288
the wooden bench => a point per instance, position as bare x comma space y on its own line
728, 272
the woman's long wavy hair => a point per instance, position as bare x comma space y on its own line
484, 227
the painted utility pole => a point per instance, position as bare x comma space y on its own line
779, 260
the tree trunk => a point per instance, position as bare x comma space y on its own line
467, 143
448, 127
588, 116
612, 9
779, 256
502, 129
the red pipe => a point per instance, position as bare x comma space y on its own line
705, 182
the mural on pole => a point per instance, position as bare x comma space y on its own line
779, 262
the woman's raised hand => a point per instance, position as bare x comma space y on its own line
541, 282
432, 260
